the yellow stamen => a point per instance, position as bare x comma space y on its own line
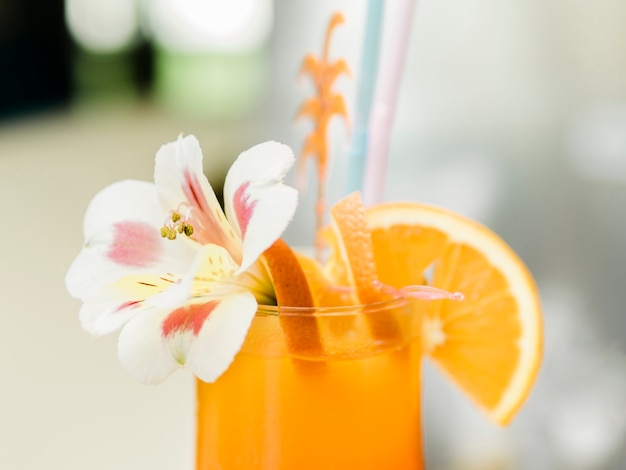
178, 224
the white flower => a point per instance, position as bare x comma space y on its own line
165, 263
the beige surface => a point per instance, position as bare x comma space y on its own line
66, 403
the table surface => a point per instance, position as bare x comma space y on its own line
66, 401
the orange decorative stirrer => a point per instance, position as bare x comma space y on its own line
321, 108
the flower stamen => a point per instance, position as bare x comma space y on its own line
176, 225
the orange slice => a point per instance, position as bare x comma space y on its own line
355, 253
292, 290
290, 283
326, 293
354, 246
490, 344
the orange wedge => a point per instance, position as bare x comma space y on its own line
490, 344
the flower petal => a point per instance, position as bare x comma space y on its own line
258, 204
108, 308
221, 336
211, 273
142, 350
182, 187
122, 233
204, 337
124, 200
112, 306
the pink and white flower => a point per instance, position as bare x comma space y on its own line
164, 263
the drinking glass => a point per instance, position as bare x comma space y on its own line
318, 388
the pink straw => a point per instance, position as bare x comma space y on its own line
384, 106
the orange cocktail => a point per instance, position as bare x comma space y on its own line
351, 402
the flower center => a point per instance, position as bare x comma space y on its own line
202, 227
176, 224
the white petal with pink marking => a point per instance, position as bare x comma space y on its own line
122, 233
258, 204
124, 200
221, 336
142, 350
211, 273
182, 186
109, 308
204, 337
174, 162
102, 314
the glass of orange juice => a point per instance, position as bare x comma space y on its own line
318, 388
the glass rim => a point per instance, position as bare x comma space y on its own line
275, 310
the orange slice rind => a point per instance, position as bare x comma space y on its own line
325, 292
291, 289
491, 343
355, 253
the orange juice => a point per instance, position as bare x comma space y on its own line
354, 403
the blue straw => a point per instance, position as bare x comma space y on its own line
365, 95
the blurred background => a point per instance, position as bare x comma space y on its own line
513, 113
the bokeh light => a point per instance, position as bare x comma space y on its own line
209, 25
103, 26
